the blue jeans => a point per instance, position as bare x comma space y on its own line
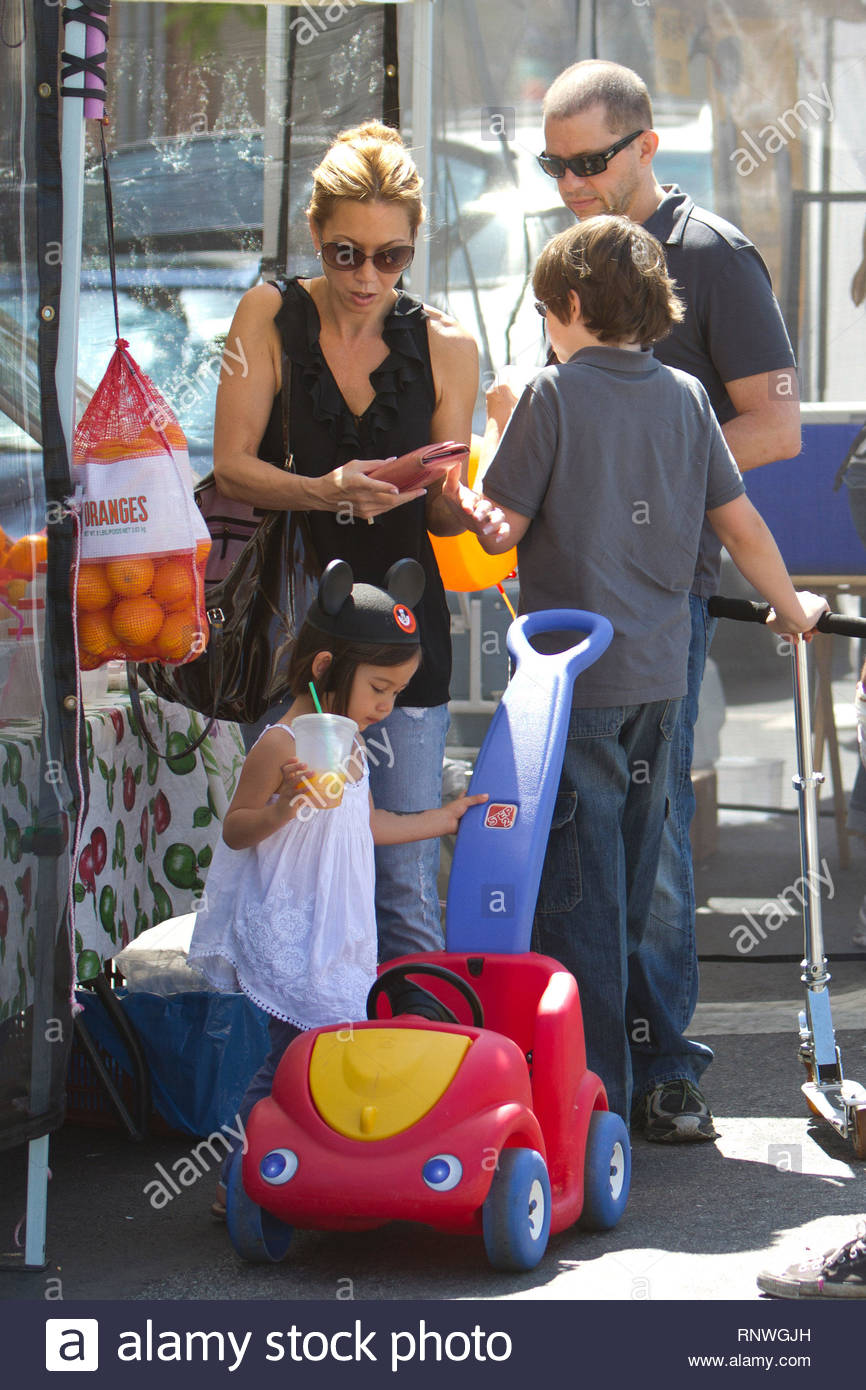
598, 878
280, 1034
671, 940
406, 752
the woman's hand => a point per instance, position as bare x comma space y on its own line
352, 494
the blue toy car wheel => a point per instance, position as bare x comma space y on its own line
606, 1173
255, 1234
516, 1215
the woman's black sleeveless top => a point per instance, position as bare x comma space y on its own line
324, 434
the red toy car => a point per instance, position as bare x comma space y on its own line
491, 1125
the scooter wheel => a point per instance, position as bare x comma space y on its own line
515, 1217
859, 1135
256, 1235
606, 1172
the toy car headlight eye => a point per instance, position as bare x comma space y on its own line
442, 1172
279, 1166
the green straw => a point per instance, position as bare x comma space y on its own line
315, 697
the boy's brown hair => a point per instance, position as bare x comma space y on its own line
619, 273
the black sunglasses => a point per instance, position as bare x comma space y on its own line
583, 166
341, 255
541, 308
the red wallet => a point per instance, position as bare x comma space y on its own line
421, 466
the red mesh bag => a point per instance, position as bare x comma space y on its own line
139, 594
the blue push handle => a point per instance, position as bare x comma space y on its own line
598, 636
500, 848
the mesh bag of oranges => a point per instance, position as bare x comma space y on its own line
139, 594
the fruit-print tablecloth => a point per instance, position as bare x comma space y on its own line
146, 842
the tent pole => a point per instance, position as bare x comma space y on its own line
72, 177
422, 126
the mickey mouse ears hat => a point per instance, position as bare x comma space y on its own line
365, 613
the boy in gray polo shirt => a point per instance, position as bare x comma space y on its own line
604, 474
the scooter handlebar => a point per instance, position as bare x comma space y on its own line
745, 610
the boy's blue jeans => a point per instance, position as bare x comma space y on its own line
597, 883
671, 935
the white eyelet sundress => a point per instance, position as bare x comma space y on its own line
291, 921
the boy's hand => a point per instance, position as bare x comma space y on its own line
454, 811
479, 514
500, 401
812, 606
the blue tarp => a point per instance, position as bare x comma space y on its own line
202, 1050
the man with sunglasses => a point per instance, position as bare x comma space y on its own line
599, 147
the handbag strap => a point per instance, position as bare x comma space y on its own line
215, 616
216, 620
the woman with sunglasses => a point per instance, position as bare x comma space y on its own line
374, 374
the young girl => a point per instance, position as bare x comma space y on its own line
289, 913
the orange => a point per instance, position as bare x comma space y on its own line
5, 544
26, 554
16, 589
131, 576
94, 590
95, 633
177, 634
137, 620
173, 583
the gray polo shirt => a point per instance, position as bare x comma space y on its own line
616, 458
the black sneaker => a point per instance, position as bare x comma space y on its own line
838, 1274
676, 1113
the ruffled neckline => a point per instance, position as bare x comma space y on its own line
298, 322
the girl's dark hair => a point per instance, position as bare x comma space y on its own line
619, 272
347, 657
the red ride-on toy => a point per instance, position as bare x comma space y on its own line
469, 1105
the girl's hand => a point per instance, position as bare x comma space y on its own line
454, 811
350, 493
293, 779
